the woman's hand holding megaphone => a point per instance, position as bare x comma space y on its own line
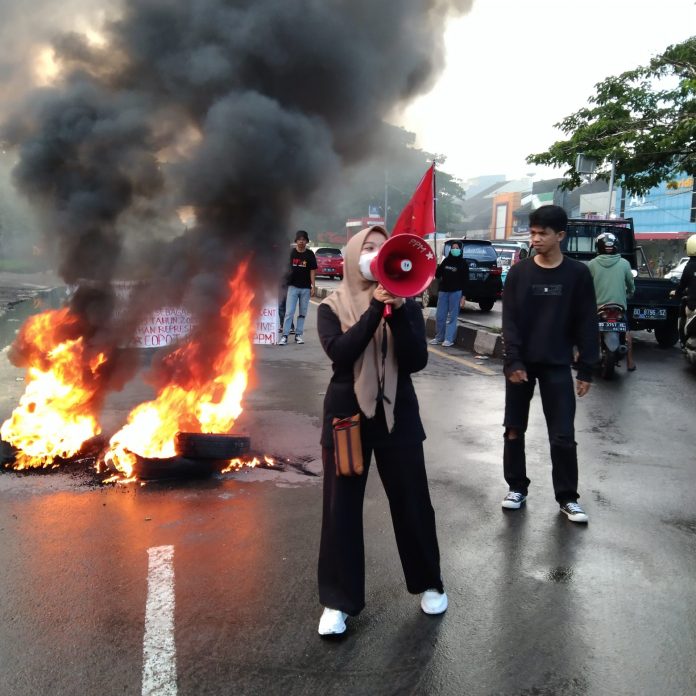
382, 295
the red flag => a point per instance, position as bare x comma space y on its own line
418, 217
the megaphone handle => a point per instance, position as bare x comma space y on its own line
387, 311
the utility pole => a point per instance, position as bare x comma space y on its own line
611, 187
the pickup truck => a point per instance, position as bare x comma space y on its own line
651, 307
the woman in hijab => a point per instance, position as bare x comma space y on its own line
373, 358
453, 274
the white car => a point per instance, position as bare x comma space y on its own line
676, 272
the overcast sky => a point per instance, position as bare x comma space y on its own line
516, 67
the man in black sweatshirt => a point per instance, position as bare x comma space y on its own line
549, 307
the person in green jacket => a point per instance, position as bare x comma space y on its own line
613, 281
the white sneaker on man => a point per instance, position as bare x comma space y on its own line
332, 622
447, 344
574, 511
434, 602
435, 342
283, 341
513, 500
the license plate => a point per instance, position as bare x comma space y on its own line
329, 270
649, 313
619, 326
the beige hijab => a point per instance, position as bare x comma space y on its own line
349, 302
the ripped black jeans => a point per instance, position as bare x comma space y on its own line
558, 401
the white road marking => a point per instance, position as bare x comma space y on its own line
159, 649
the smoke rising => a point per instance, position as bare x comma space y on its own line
241, 109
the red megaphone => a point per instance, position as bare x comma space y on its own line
405, 265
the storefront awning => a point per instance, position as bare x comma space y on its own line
656, 236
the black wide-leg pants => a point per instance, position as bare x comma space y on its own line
342, 551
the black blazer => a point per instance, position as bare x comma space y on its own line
411, 351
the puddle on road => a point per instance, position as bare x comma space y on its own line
13, 318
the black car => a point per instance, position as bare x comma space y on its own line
485, 282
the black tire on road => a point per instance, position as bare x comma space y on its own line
211, 446
147, 469
486, 305
607, 365
666, 336
7, 453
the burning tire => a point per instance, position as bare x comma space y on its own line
174, 468
7, 453
211, 446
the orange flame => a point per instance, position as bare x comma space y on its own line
238, 463
208, 398
56, 414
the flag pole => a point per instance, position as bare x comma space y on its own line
435, 206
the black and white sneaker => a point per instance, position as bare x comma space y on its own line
299, 339
513, 500
574, 511
283, 341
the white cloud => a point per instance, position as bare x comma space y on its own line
516, 67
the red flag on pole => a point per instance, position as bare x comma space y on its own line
418, 217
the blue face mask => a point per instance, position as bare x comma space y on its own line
456, 252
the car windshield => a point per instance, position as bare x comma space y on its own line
580, 238
475, 251
328, 252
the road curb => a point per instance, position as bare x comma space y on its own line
471, 338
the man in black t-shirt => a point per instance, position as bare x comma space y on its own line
303, 267
549, 307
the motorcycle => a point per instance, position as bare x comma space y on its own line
687, 332
612, 337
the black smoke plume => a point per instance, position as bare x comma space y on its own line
240, 110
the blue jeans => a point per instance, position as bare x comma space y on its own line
295, 294
446, 316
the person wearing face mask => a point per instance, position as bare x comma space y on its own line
373, 358
453, 274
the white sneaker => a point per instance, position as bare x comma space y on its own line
513, 500
332, 622
574, 511
434, 602
435, 342
447, 344
283, 341
299, 339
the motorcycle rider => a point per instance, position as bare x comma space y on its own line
687, 287
613, 281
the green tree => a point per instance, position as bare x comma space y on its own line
644, 120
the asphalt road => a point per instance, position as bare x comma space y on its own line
209, 587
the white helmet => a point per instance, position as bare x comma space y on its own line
691, 245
